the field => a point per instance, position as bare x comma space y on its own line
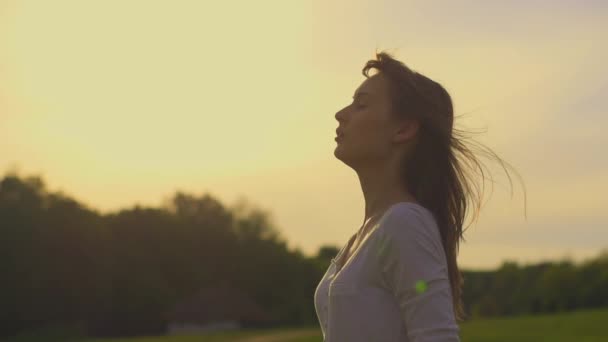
579, 326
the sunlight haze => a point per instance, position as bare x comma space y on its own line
125, 102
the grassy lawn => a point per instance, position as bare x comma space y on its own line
580, 326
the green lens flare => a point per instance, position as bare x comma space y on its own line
421, 286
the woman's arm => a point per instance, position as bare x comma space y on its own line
413, 265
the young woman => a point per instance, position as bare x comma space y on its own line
397, 278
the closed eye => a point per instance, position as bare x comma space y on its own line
358, 106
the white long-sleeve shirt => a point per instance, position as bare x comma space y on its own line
393, 288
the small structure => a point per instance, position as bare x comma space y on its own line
217, 308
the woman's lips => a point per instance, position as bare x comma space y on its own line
339, 134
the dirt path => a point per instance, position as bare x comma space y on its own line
282, 336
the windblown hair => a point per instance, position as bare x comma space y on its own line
432, 171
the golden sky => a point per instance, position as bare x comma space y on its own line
125, 102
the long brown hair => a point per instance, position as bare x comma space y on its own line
433, 173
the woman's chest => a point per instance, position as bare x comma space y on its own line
360, 270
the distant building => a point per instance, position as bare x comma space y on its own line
216, 308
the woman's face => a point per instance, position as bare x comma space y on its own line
367, 131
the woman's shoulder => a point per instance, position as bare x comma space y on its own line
409, 231
404, 217
409, 209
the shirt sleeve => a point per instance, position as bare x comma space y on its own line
414, 268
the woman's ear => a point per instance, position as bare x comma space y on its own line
407, 130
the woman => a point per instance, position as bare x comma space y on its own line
397, 278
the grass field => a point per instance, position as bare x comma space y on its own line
579, 326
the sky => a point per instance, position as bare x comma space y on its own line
118, 103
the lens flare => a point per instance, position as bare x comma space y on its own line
420, 286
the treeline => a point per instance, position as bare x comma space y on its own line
537, 288
119, 274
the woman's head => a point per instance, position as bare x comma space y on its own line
369, 132
403, 120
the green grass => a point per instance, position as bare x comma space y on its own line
579, 326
